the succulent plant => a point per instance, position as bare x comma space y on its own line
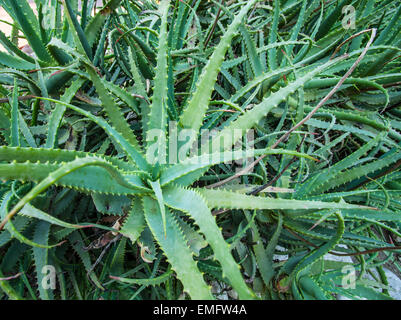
149, 104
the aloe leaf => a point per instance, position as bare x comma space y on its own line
78, 245
311, 290
26, 132
41, 258
295, 31
195, 206
20, 76
158, 108
331, 18
110, 106
9, 290
226, 199
258, 80
326, 176
112, 110
270, 248
253, 116
57, 115
72, 19
122, 94
64, 171
94, 26
272, 54
195, 240
251, 52
13, 230
15, 62
360, 171
21, 223
117, 262
265, 266
178, 253
177, 173
32, 212
115, 135
12, 48
194, 112
359, 292
42, 155
390, 29
306, 262
140, 88
135, 221
30, 26
146, 282
15, 128
89, 179
159, 196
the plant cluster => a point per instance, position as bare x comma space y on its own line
109, 178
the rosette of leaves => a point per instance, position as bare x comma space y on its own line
159, 192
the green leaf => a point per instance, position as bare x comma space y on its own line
158, 108
194, 205
146, 282
80, 35
32, 212
41, 258
15, 62
116, 136
15, 133
253, 116
306, 262
194, 112
135, 221
178, 253
159, 196
232, 200
30, 26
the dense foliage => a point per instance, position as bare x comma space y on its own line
95, 116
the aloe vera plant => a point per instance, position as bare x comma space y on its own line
155, 176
